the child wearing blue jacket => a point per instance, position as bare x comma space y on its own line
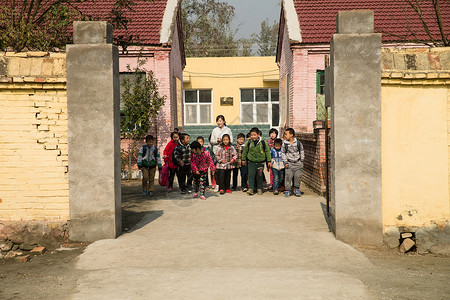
277, 166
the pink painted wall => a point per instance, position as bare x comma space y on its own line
166, 64
307, 60
301, 63
286, 70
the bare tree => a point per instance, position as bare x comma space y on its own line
45, 24
429, 14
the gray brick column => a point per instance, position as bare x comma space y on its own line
356, 129
93, 98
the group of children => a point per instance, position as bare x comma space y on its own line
249, 156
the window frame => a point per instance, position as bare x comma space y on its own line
254, 103
320, 86
197, 104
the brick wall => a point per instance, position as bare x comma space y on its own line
33, 137
314, 170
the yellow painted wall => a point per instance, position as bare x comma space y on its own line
33, 137
226, 76
415, 153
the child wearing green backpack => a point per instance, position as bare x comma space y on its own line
256, 153
148, 160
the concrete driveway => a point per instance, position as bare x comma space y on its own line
226, 247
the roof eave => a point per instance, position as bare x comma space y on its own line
292, 22
168, 21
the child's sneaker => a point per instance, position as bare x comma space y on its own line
250, 192
216, 188
144, 193
297, 193
276, 192
150, 193
287, 194
260, 191
195, 195
228, 192
170, 190
222, 192
202, 197
245, 190
189, 191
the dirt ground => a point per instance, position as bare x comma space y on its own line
393, 276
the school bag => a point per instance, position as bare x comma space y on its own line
144, 153
263, 143
164, 176
298, 147
286, 146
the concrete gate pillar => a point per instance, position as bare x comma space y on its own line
356, 129
94, 133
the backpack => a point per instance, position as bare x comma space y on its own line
164, 176
263, 143
298, 147
144, 152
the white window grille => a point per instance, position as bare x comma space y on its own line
197, 107
260, 106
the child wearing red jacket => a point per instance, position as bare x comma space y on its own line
167, 155
200, 163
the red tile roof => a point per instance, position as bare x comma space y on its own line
392, 18
146, 18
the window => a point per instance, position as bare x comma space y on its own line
320, 82
260, 106
197, 107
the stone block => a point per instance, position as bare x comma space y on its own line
3, 66
422, 61
406, 245
5, 247
411, 61
391, 237
86, 32
399, 61
59, 67
37, 54
36, 66
406, 235
26, 247
444, 58
355, 21
47, 67
443, 249
387, 61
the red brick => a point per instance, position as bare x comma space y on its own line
38, 250
22, 259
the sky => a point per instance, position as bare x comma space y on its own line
250, 13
